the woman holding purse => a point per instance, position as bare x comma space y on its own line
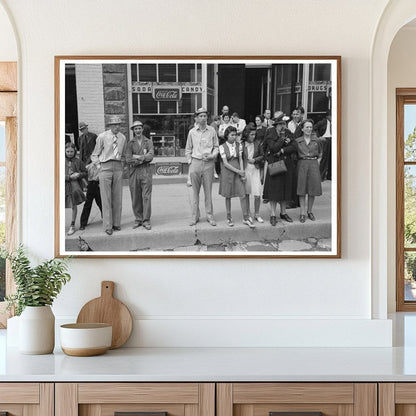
279, 187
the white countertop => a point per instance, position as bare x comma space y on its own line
222, 364
215, 364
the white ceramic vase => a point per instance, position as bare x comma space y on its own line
37, 330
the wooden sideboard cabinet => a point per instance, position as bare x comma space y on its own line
27, 399
332, 399
105, 399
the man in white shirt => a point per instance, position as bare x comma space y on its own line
201, 151
109, 154
268, 122
294, 125
239, 124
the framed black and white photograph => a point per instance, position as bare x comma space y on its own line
198, 156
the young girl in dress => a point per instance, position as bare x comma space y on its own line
253, 160
233, 175
74, 172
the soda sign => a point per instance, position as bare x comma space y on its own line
168, 169
167, 93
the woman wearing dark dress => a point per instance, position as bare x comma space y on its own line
309, 150
260, 136
279, 188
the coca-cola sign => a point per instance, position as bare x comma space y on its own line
168, 169
167, 93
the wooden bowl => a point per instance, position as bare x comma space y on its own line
84, 340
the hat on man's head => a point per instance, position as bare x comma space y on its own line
82, 125
135, 124
114, 120
201, 110
280, 117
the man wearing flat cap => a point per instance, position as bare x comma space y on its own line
201, 151
109, 155
86, 142
139, 154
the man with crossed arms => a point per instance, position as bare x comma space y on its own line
201, 151
109, 155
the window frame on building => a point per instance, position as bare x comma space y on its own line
404, 96
157, 79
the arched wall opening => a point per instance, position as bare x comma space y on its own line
401, 74
386, 75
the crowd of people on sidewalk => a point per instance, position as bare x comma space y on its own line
278, 160
270, 159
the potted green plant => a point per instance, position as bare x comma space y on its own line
36, 289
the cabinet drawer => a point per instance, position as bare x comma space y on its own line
21, 399
106, 399
268, 399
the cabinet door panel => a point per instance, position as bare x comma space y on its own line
397, 399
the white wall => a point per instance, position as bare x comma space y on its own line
401, 74
233, 301
8, 46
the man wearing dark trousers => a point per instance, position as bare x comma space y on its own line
139, 154
87, 142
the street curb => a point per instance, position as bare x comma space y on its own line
201, 234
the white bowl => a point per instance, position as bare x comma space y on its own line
83, 340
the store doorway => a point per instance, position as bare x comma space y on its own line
255, 97
243, 89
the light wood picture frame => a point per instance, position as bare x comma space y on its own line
164, 93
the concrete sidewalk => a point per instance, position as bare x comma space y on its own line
171, 214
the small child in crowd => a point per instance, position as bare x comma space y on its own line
253, 159
74, 172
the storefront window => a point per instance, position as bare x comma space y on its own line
168, 119
135, 103
147, 72
168, 133
320, 102
147, 104
167, 107
199, 73
167, 72
322, 72
133, 72
186, 73
185, 105
210, 76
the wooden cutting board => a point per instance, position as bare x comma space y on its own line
108, 310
